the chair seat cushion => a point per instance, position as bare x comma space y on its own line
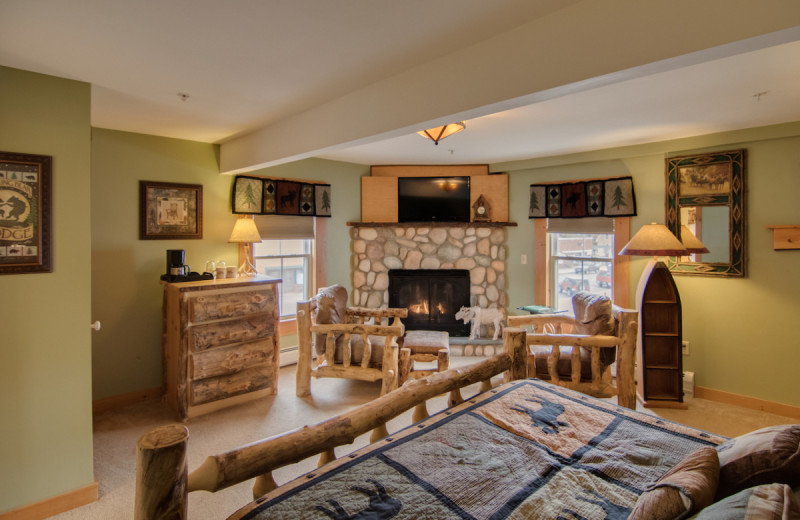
426, 341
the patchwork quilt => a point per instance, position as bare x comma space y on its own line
526, 449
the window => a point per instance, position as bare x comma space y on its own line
580, 262
290, 260
575, 248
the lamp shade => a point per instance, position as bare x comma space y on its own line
691, 242
654, 240
440, 132
245, 232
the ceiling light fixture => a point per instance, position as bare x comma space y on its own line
440, 132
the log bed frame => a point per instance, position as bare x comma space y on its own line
163, 482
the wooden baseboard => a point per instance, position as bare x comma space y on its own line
118, 401
54, 505
747, 402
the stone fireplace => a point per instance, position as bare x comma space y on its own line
478, 248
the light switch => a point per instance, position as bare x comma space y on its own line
523, 259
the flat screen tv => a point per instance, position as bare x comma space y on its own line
433, 199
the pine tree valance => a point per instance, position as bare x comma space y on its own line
600, 198
260, 196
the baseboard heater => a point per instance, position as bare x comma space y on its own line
288, 355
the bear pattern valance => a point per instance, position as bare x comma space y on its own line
260, 196
598, 198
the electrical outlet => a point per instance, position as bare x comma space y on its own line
685, 348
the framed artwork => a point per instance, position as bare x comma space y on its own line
248, 195
170, 211
25, 213
322, 200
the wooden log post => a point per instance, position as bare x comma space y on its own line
514, 343
304, 354
161, 474
263, 484
628, 330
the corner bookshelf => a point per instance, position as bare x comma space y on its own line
659, 371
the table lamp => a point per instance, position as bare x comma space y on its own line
659, 367
245, 233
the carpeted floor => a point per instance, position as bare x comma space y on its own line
116, 433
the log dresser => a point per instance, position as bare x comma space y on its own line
221, 343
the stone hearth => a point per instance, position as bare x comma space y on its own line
479, 249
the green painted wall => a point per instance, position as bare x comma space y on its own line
741, 330
126, 293
45, 351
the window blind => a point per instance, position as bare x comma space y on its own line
274, 227
580, 225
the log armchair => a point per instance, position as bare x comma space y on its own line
350, 342
577, 351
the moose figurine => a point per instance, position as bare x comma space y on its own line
479, 316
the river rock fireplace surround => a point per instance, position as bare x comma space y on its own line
479, 248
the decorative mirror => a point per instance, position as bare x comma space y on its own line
705, 193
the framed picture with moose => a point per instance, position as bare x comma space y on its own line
25, 213
170, 211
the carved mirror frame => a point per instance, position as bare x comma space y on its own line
713, 182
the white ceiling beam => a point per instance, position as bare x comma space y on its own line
589, 43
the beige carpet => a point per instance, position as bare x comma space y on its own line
116, 433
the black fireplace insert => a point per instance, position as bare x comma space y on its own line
432, 297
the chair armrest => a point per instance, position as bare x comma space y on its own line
579, 340
541, 319
359, 328
377, 313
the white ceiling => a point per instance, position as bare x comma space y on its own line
245, 64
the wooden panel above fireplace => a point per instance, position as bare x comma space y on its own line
379, 191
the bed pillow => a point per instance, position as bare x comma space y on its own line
768, 455
765, 502
685, 489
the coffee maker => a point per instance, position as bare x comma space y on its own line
176, 262
178, 271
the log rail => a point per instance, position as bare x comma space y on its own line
258, 459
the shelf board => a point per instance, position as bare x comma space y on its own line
662, 367
662, 334
660, 301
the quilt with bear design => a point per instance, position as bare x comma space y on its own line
526, 449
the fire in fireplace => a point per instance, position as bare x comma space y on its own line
432, 297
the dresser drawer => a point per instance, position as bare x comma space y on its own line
212, 335
206, 307
222, 387
227, 360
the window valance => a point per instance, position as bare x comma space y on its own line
596, 198
261, 196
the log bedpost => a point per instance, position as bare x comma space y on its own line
626, 358
304, 354
514, 342
161, 474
